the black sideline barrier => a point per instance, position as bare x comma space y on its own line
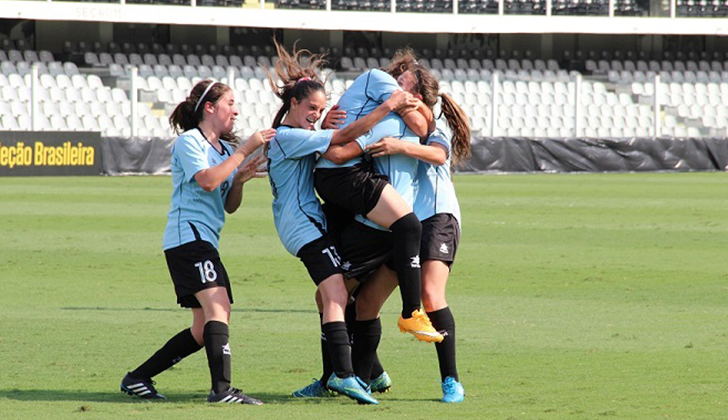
136, 155
498, 154
147, 156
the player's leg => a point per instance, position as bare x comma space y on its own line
334, 297
139, 381
215, 303
368, 327
439, 245
392, 212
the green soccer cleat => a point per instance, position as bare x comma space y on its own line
315, 390
381, 383
352, 387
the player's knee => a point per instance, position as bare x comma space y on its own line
408, 224
433, 297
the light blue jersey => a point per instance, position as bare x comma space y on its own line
400, 169
368, 91
297, 212
191, 205
435, 191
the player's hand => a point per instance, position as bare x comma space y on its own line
262, 137
386, 146
252, 169
401, 100
334, 118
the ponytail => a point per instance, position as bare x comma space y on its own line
457, 120
295, 79
189, 113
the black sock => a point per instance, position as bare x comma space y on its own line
442, 320
217, 346
366, 340
377, 368
328, 367
177, 348
350, 319
339, 348
406, 235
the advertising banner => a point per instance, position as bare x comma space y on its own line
33, 153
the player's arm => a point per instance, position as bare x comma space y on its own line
434, 153
419, 119
211, 178
342, 153
399, 100
245, 173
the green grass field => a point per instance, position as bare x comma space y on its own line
576, 297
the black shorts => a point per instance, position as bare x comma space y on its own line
321, 259
355, 188
440, 238
196, 266
363, 250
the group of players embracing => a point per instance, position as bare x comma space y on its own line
380, 162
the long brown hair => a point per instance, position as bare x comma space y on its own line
429, 89
186, 117
297, 77
457, 119
404, 59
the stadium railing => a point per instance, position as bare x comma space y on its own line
514, 97
672, 8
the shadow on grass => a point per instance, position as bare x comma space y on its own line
120, 397
100, 308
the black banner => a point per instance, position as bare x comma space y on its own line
29, 153
500, 154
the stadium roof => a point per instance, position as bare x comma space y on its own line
359, 21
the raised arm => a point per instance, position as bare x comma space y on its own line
245, 173
399, 100
420, 119
212, 177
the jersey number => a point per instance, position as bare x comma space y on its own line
331, 252
223, 188
207, 271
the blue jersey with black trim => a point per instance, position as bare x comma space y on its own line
400, 169
435, 191
368, 91
297, 211
191, 205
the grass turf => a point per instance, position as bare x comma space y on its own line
576, 297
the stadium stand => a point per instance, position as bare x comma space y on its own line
534, 98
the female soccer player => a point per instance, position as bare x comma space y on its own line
436, 205
343, 179
364, 244
207, 180
297, 212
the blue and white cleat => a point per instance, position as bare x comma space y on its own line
381, 383
315, 390
352, 387
452, 390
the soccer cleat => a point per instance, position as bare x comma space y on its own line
232, 396
315, 390
452, 390
381, 383
420, 326
142, 388
352, 387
